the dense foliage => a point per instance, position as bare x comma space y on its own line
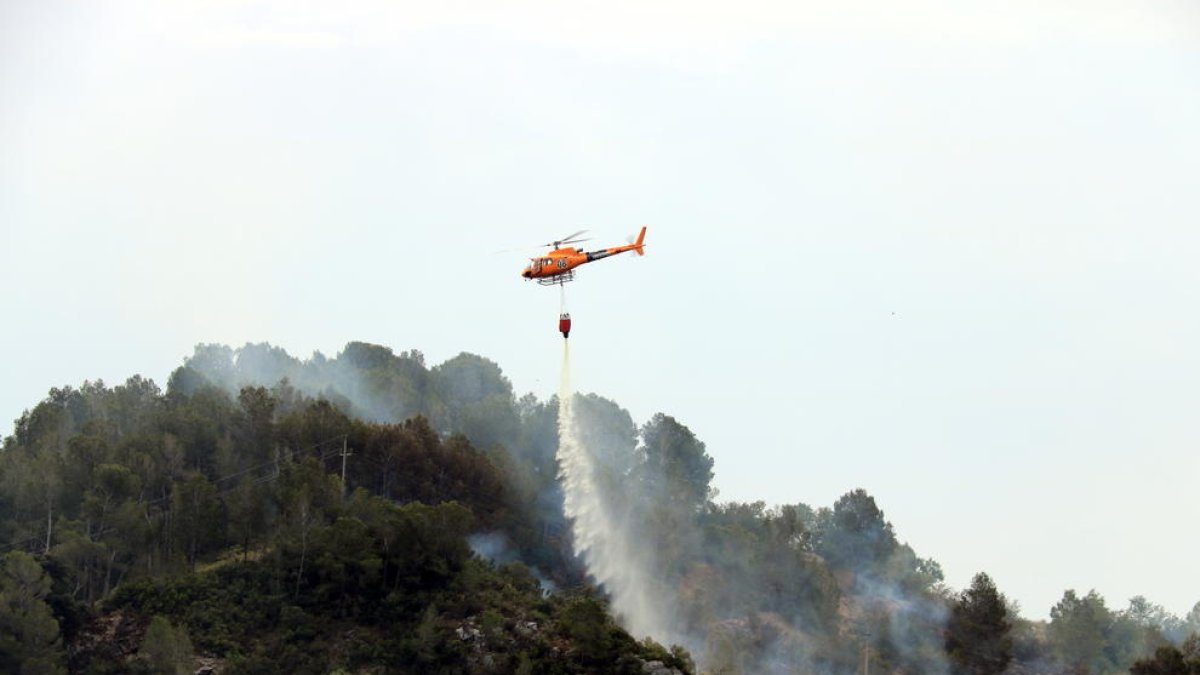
366, 512
978, 635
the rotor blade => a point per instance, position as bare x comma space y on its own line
575, 241
566, 239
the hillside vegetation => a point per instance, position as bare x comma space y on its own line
368, 513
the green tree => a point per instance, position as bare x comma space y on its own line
215, 362
1191, 623
610, 436
479, 400
196, 517
32, 484
132, 407
855, 534
346, 565
670, 489
978, 635
255, 429
385, 387
585, 621
1139, 630
264, 364
308, 497
538, 442
113, 520
166, 649
247, 511
1169, 660
425, 637
675, 466
29, 633
1079, 631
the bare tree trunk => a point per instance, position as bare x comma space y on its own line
49, 523
152, 548
303, 550
108, 573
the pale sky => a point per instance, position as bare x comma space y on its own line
945, 251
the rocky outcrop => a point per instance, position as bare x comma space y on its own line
112, 638
659, 668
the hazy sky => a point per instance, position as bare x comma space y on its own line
945, 251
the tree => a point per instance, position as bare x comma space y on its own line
307, 497
114, 521
667, 492
264, 364
384, 387
609, 434
1140, 629
32, 485
246, 507
675, 466
539, 436
167, 649
133, 405
1191, 623
214, 362
29, 634
855, 534
1079, 631
1169, 660
585, 621
256, 424
196, 517
978, 635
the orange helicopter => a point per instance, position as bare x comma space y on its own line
558, 266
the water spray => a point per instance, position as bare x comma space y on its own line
604, 529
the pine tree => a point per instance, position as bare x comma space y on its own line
166, 650
29, 635
978, 637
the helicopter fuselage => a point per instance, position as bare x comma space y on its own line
560, 262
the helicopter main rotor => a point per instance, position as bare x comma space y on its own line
569, 239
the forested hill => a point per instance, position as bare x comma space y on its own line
369, 513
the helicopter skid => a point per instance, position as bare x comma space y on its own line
558, 279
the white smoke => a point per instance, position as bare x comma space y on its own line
604, 535
494, 546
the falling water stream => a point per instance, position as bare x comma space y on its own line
604, 531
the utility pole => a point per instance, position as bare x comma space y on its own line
866, 653
344, 456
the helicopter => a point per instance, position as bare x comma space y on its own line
558, 266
